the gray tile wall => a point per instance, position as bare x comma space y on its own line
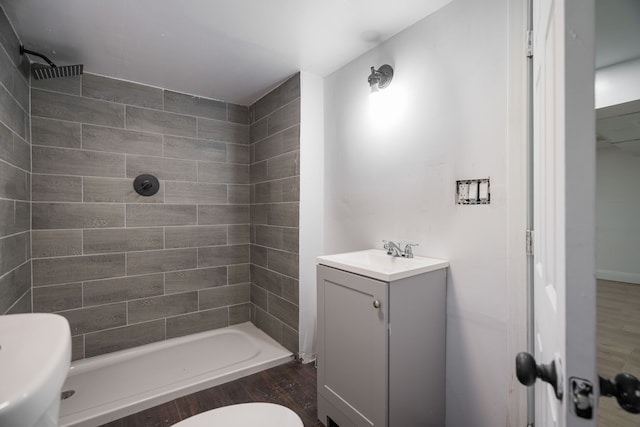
124, 269
275, 200
15, 176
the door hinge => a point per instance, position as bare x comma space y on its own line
529, 242
529, 43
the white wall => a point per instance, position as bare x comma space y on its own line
618, 83
393, 177
311, 205
617, 207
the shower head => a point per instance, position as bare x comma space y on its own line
51, 71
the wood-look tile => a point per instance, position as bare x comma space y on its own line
125, 141
98, 241
238, 154
618, 343
22, 305
267, 279
280, 143
56, 188
258, 131
223, 214
108, 89
280, 96
161, 122
214, 256
73, 108
48, 299
76, 215
259, 255
238, 194
162, 168
12, 114
259, 297
77, 347
284, 166
160, 261
283, 262
90, 319
15, 182
9, 38
116, 190
194, 192
239, 273
49, 271
238, 114
238, 234
201, 235
284, 118
142, 310
218, 130
192, 280
283, 214
55, 133
195, 149
53, 243
15, 285
70, 85
284, 310
178, 326
121, 338
14, 251
239, 313
98, 292
194, 105
63, 161
223, 296
292, 385
223, 173
155, 214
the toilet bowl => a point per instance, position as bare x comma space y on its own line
245, 415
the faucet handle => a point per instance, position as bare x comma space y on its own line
408, 252
387, 246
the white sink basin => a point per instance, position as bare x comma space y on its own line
375, 263
35, 354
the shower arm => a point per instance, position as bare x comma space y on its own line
30, 52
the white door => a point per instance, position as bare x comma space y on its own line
564, 203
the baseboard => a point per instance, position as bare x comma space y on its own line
618, 276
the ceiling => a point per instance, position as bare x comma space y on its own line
233, 50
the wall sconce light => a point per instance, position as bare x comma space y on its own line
380, 78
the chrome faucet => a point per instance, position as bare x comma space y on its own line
394, 250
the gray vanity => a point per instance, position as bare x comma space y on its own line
381, 340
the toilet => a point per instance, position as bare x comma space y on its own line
245, 415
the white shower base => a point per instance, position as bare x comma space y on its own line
125, 382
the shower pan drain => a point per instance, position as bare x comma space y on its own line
67, 394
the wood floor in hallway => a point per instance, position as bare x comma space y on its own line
618, 344
292, 385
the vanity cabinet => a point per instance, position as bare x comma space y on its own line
381, 349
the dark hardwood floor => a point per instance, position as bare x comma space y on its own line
292, 385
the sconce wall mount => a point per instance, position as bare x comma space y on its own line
380, 78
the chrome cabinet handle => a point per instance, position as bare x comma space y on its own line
376, 303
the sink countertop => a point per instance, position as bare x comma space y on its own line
376, 264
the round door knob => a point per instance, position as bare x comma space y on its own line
376, 304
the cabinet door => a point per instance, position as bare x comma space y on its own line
353, 345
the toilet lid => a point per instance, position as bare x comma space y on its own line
245, 415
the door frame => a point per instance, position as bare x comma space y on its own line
517, 196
